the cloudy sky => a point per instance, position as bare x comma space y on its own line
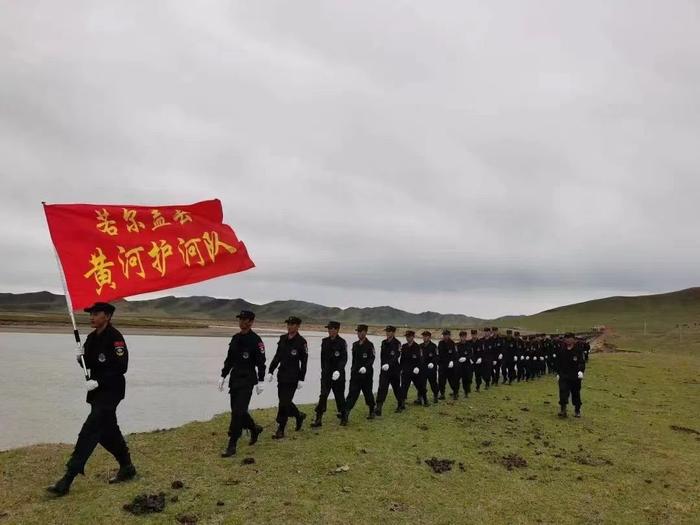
486, 158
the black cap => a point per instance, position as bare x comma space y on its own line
474, 332
568, 335
446, 332
516, 333
409, 333
462, 333
487, 329
390, 328
100, 307
333, 324
494, 329
246, 314
293, 320
361, 328
426, 333
509, 332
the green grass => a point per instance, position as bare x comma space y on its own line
621, 463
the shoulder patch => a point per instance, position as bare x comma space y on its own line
261, 347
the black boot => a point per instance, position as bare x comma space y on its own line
344, 419
378, 410
371, 413
62, 486
425, 400
435, 399
318, 421
279, 434
562, 412
442, 396
577, 412
300, 421
230, 449
125, 473
254, 434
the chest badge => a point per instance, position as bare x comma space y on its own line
364, 356
246, 355
294, 351
101, 358
336, 353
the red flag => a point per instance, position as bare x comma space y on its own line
113, 251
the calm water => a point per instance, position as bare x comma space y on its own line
171, 380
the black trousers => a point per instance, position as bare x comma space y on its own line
240, 417
465, 374
360, 384
478, 374
100, 427
387, 378
418, 381
448, 375
338, 389
487, 371
495, 371
431, 378
286, 408
570, 386
509, 371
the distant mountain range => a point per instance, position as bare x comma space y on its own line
200, 307
673, 307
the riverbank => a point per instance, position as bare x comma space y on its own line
633, 458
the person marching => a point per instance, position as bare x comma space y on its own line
487, 363
412, 370
465, 368
571, 364
361, 372
447, 372
497, 360
334, 356
429, 355
390, 373
509, 358
291, 357
106, 358
479, 357
245, 361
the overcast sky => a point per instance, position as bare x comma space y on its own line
485, 158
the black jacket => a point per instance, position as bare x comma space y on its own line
390, 354
447, 351
570, 361
362, 355
107, 358
245, 360
334, 356
291, 356
429, 354
410, 357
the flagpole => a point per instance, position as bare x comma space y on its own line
76, 333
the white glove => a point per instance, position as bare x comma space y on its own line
462, 359
300, 384
362, 370
554, 355
478, 361
78, 356
515, 368
580, 375
91, 385
522, 357
416, 371
500, 356
515, 358
495, 363
557, 377
270, 377
385, 367
221, 384
541, 358
335, 376
450, 364
471, 361
527, 358
431, 366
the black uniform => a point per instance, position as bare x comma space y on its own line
334, 357
570, 361
479, 357
430, 356
291, 357
390, 354
362, 356
107, 358
410, 360
447, 353
498, 358
245, 362
465, 368
509, 352
488, 344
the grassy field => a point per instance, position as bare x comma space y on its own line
633, 458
